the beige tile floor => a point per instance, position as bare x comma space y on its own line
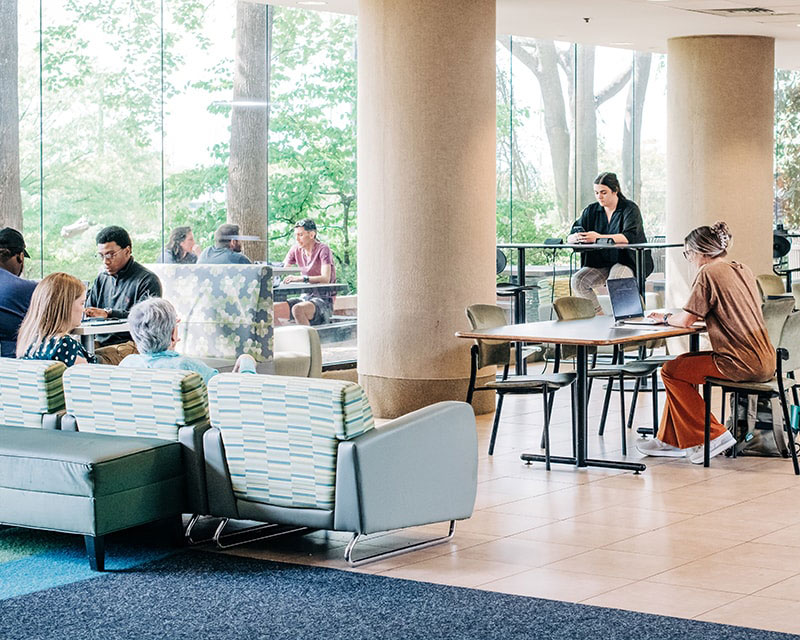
718, 544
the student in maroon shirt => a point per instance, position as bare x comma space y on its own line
316, 266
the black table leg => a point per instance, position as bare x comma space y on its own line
88, 343
694, 342
581, 425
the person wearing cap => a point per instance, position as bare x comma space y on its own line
121, 284
315, 260
228, 249
15, 292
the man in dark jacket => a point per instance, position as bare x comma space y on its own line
122, 283
15, 292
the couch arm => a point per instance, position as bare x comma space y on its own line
297, 345
417, 469
191, 439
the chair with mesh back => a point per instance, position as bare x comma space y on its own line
494, 353
787, 362
575, 308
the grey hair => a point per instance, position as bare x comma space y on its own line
710, 241
151, 323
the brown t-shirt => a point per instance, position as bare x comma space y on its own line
725, 294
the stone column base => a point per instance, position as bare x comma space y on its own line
393, 397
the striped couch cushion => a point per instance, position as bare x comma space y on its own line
28, 390
281, 434
134, 402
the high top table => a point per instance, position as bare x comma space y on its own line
637, 248
600, 330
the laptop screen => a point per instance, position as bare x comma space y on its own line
625, 299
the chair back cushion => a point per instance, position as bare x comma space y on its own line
135, 402
790, 340
225, 309
490, 352
281, 434
775, 313
770, 285
29, 389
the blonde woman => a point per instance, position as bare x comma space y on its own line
56, 309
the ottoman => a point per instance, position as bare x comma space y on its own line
88, 484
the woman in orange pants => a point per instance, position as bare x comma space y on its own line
725, 295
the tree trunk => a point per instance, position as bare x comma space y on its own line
543, 62
10, 197
631, 135
247, 167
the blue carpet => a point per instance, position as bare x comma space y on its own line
32, 560
206, 595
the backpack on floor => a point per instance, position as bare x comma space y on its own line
759, 429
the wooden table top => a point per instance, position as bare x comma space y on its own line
599, 330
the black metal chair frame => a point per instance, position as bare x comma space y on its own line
782, 354
547, 390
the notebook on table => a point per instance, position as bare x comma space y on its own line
626, 303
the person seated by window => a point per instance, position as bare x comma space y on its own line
154, 326
122, 283
56, 309
612, 217
228, 249
725, 295
15, 291
315, 260
181, 248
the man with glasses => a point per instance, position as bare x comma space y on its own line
121, 284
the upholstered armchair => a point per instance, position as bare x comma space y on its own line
225, 311
31, 393
152, 403
305, 452
297, 352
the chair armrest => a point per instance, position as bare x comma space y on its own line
417, 469
302, 340
191, 439
221, 501
52, 420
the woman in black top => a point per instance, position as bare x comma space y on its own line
612, 216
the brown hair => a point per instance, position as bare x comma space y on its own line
50, 311
710, 241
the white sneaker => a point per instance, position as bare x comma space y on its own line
717, 446
655, 447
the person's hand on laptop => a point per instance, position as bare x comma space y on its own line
655, 315
94, 312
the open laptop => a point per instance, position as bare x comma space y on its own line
626, 303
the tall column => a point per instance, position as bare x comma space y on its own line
720, 119
426, 190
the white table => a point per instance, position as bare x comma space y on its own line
88, 330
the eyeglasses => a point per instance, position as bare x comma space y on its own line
108, 257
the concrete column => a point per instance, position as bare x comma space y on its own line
720, 119
426, 190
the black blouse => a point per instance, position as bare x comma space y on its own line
627, 220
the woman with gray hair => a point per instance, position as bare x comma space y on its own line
154, 327
725, 295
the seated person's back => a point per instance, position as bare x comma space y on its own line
56, 309
227, 249
154, 326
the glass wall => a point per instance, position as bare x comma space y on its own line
168, 113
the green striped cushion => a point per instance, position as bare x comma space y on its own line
134, 402
28, 390
281, 434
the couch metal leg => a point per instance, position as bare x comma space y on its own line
244, 535
188, 534
348, 552
96, 552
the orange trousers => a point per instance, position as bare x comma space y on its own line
682, 423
